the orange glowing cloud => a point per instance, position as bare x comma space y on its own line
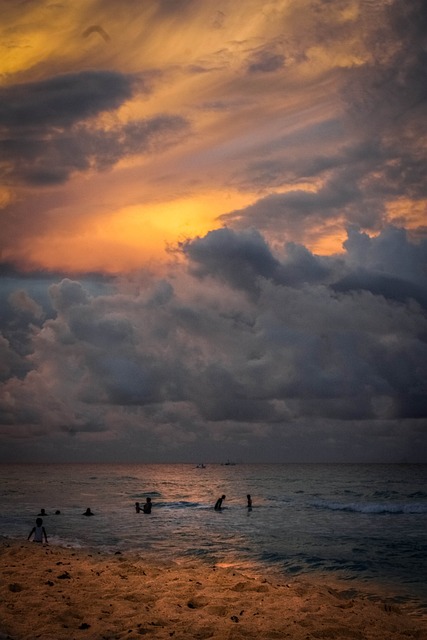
260, 90
410, 213
130, 238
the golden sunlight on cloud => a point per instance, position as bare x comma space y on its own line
326, 241
131, 238
5, 196
30, 38
408, 213
221, 104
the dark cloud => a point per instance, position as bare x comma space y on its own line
68, 294
293, 210
127, 381
176, 10
46, 137
390, 287
42, 162
107, 332
200, 356
386, 98
376, 152
238, 259
221, 396
392, 84
391, 253
241, 259
62, 101
266, 62
357, 182
12, 360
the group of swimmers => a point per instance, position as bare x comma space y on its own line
39, 532
88, 512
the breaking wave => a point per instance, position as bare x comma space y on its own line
372, 507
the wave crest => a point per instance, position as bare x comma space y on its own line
373, 507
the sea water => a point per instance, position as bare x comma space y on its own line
361, 523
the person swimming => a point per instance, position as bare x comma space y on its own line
88, 512
218, 503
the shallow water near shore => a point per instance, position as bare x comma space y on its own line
362, 523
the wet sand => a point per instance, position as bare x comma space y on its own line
56, 593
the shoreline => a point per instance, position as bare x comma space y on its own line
62, 593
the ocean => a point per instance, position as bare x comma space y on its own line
365, 524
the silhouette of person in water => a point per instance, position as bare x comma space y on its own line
88, 512
39, 532
42, 513
137, 507
147, 506
249, 502
218, 503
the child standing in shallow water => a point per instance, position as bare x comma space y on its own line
39, 532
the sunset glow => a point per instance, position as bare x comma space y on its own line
134, 236
244, 81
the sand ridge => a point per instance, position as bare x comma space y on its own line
57, 593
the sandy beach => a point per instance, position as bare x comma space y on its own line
56, 593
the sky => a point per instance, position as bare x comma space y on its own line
213, 235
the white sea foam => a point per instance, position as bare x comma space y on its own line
374, 507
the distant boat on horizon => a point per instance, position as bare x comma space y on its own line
228, 464
200, 466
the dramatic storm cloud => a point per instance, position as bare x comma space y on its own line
213, 230
246, 348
